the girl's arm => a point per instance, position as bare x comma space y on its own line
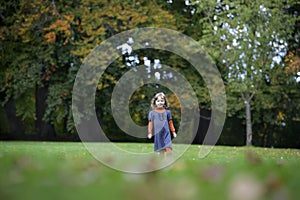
170, 122
171, 125
172, 128
150, 127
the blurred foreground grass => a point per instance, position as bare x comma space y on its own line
66, 171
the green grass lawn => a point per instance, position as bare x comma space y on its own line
67, 171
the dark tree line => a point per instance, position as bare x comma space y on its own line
44, 43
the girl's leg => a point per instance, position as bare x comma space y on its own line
162, 153
168, 150
168, 153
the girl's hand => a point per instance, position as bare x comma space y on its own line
149, 136
174, 135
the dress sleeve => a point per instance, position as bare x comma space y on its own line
150, 116
169, 115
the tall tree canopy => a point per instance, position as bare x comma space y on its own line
255, 45
249, 40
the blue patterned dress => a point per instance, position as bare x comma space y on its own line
162, 136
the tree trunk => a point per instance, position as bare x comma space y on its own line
16, 130
248, 124
203, 118
45, 129
270, 137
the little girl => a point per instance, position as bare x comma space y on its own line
161, 120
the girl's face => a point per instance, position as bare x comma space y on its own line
160, 102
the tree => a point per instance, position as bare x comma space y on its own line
247, 39
44, 43
37, 35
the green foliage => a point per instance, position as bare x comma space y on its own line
243, 37
43, 44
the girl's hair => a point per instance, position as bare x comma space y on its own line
160, 94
